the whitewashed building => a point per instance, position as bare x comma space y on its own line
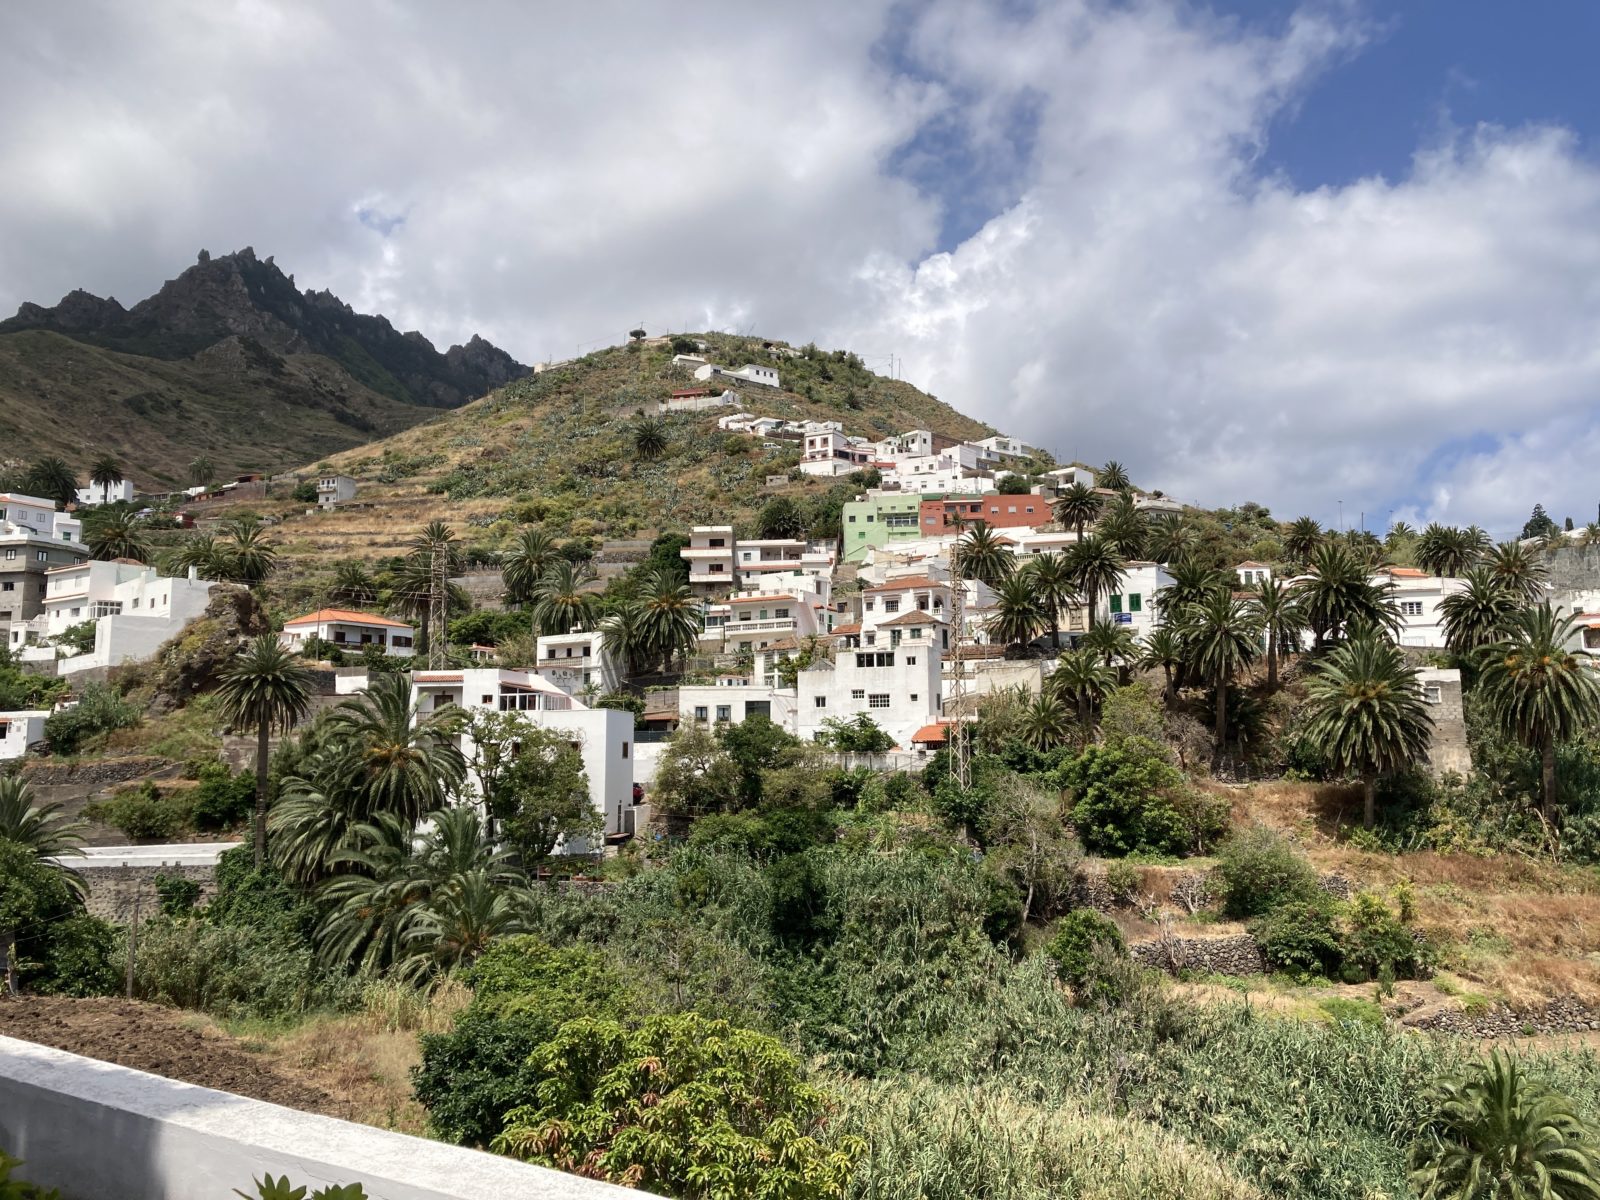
1135, 604
120, 492
749, 373
1251, 573
335, 489
350, 630
19, 730
578, 661
1418, 596
135, 609
34, 538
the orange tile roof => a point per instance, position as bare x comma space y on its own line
1406, 572
346, 615
900, 585
1250, 562
930, 734
761, 599
854, 627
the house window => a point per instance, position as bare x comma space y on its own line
8, 587
1411, 608
11, 553
1116, 602
780, 612
1135, 602
913, 697
858, 693
878, 700
891, 606
43, 556
700, 712
1432, 693
724, 712
624, 749
819, 701
911, 659
487, 700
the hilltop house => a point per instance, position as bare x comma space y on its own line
134, 609
1418, 596
349, 630
697, 400
749, 373
335, 489
120, 492
719, 563
34, 537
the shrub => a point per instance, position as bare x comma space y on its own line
1123, 800
1380, 940
98, 710
1300, 937
1122, 881
19, 1189
1259, 869
674, 1102
231, 970
84, 956
1073, 947
142, 813
223, 799
177, 895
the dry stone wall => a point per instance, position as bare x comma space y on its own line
1235, 955
114, 891
1564, 1015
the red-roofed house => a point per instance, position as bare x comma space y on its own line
349, 630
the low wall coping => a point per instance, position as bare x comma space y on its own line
99, 1131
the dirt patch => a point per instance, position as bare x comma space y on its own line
162, 1041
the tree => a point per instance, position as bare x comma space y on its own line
1163, 648
1220, 633
1442, 550
560, 603
1026, 841
1114, 644
532, 554
202, 554
780, 517
1169, 538
1493, 1132
52, 479
533, 784
1097, 569
1337, 595
1083, 680
103, 474
1366, 713
1302, 539
1056, 587
397, 759
118, 535
201, 471
1113, 477
266, 688
1477, 614
672, 620
353, 583
39, 828
1541, 693
247, 556
1539, 525
1019, 615
981, 553
1077, 506
1043, 722
434, 557
649, 437
1518, 571
696, 774
859, 734
1275, 606
1124, 526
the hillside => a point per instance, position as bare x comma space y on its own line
229, 360
556, 448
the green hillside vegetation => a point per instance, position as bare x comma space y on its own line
241, 405
562, 449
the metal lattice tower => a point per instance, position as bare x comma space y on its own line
960, 751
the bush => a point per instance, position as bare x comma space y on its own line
1126, 798
1122, 881
19, 1189
98, 710
1300, 937
1073, 947
142, 813
675, 1101
231, 970
177, 895
304, 492
1260, 869
1381, 941
223, 799
623, 702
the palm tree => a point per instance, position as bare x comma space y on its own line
1043, 721
201, 553
118, 535
1398, 533
1338, 595
1276, 608
623, 635
559, 602
1081, 678
1477, 614
1124, 526
669, 616
265, 687
1542, 693
201, 471
52, 479
435, 556
1163, 648
649, 438
1192, 582
310, 824
353, 583
525, 564
1077, 506
1367, 714
39, 828
1516, 570
1097, 569
1113, 477
1019, 615
103, 474
1221, 635
1056, 586
981, 554
1491, 1131
1590, 535
247, 555
1114, 644
398, 759
1169, 538
1302, 539
1443, 550
460, 921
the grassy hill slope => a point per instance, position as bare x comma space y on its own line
556, 448
238, 403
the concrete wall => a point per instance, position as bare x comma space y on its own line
99, 1132
1447, 745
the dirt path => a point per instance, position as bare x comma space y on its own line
162, 1041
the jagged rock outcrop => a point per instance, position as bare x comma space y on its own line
192, 662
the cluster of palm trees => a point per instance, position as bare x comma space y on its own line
240, 553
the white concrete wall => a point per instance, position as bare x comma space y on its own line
20, 730
97, 1131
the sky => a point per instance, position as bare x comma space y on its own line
1338, 258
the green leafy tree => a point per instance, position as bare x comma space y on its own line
533, 784
680, 1104
1019, 614
859, 734
1443, 550
397, 758
1276, 609
1127, 798
1539, 525
201, 471
1044, 721
780, 517
1518, 571
1367, 716
1163, 649
1302, 539
1337, 595
1082, 680
1077, 506
1080, 939
561, 601
1478, 613
696, 774
532, 554
1097, 569
1493, 1132
1027, 842
1113, 476
118, 535
353, 583
670, 617
981, 553
52, 479
1541, 693
1055, 585
39, 828
649, 438
264, 688
1124, 527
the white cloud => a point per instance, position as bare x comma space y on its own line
551, 177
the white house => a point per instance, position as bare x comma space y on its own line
894, 680
1135, 605
1001, 449
753, 621
1065, 477
335, 489
1418, 596
350, 630
749, 373
94, 495
719, 563
1251, 573
914, 443
733, 698
577, 660
19, 730
603, 736
710, 558
34, 537
134, 609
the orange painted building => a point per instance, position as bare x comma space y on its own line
938, 516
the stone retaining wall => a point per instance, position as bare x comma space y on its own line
1236, 955
1565, 1015
97, 774
114, 890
